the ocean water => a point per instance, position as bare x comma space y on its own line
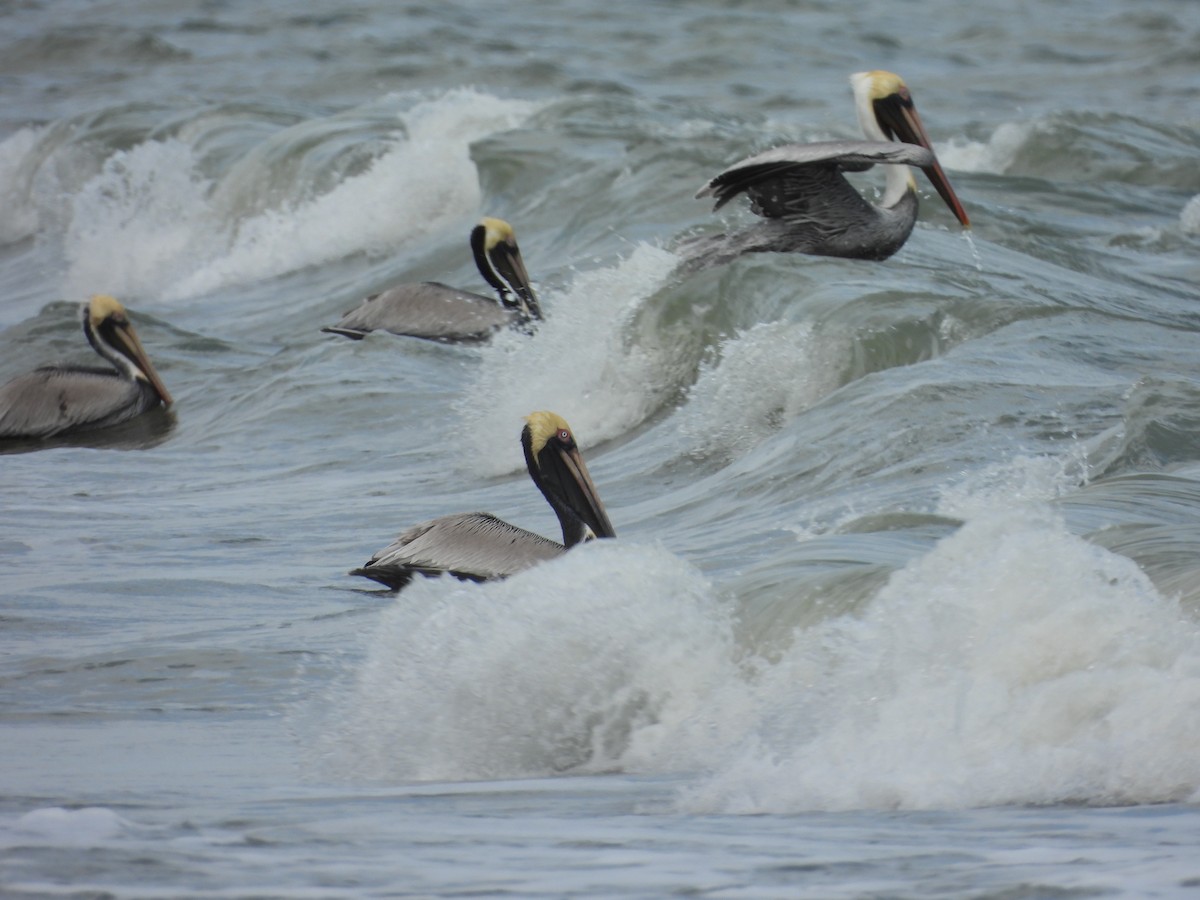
906, 595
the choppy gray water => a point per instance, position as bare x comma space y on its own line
908, 561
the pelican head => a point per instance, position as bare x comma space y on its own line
111, 334
494, 244
886, 113
557, 468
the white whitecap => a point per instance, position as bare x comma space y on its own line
763, 377
994, 155
1015, 663
611, 656
581, 364
424, 183
140, 223
1012, 484
57, 826
149, 223
1189, 216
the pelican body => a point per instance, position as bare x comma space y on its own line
59, 399
810, 207
480, 547
438, 312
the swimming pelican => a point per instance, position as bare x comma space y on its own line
438, 312
52, 400
808, 204
480, 547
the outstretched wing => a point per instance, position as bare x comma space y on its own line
804, 180
476, 546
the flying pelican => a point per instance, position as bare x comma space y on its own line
809, 206
438, 312
53, 400
480, 547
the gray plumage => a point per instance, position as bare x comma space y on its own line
806, 202
54, 400
808, 205
480, 547
475, 546
429, 310
437, 312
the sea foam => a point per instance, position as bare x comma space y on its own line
580, 364
56, 826
151, 224
1189, 216
992, 156
1014, 664
764, 376
607, 657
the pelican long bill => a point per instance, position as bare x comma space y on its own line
478, 546
123, 333
438, 312
898, 117
500, 262
807, 205
58, 399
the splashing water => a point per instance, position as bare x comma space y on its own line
148, 223
992, 156
1024, 481
136, 223
1015, 663
607, 385
1189, 216
20, 219
766, 375
581, 664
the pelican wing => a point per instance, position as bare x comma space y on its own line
52, 399
427, 310
810, 173
475, 546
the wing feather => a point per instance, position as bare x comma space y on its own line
53, 399
426, 310
796, 171
477, 546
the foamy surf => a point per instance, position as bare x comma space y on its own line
151, 224
764, 376
56, 826
580, 363
1014, 664
1189, 216
612, 656
992, 156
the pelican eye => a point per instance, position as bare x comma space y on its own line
564, 436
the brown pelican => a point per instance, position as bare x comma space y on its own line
53, 400
480, 547
438, 312
809, 206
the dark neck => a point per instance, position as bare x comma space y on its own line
574, 531
101, 342
479, 249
